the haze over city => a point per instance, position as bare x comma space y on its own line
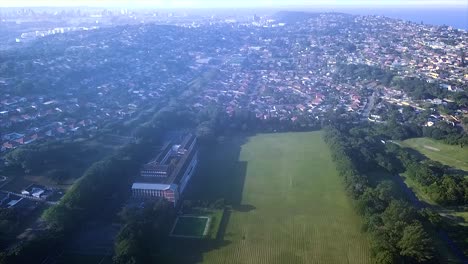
232, 132
240, 3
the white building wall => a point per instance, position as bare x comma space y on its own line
147, 192
188, 173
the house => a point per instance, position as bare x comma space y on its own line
23, 206
9, 145
30, 139
13, 136
9, 200
168, 175
35, 190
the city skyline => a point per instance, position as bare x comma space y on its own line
238, 4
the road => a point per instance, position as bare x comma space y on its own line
370, 105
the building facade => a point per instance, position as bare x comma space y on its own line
168, 175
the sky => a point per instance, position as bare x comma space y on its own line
236, 3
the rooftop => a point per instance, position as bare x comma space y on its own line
176, 154
152, 186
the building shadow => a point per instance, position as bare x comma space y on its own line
244, 208
220, 176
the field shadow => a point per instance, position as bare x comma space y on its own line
458, 172
185, 250
244, 208
419, 156
97, 239
409, 193
220, 176
223, 224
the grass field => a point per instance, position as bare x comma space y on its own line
289, 205
80, 259
453, 156
190, 226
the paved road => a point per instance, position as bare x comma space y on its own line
369, 106
32, 198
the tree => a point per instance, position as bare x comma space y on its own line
384, 257
398, 211
205, 131
416, 243
433, 217
453, 189
58, 175
125, 251
143, 232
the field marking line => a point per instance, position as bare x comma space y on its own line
290, 180
207, 225
205, 231
173, 227
442, 155
431, 148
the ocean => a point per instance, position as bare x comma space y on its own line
457, 18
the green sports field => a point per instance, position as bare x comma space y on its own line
292, 209
453, 156
190, 226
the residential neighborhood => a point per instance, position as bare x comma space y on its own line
111, 116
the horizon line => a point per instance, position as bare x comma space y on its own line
241, 7
260, 6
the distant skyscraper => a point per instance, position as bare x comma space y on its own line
256, 18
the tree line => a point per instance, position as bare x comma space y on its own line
416, 88
143, 232
439, 182
398, 232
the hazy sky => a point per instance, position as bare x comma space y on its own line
235, 3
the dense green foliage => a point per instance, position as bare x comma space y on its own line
419, 89
38, 158
439, 182
9, 221
396, 228
416, 88
364, 72
407, 125
143, 231
450, 134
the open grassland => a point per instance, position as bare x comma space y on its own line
453, 156
292, 206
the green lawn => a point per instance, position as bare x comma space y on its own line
292, 205
80, 259
453, 156
215, 221
418, 190
190, 226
